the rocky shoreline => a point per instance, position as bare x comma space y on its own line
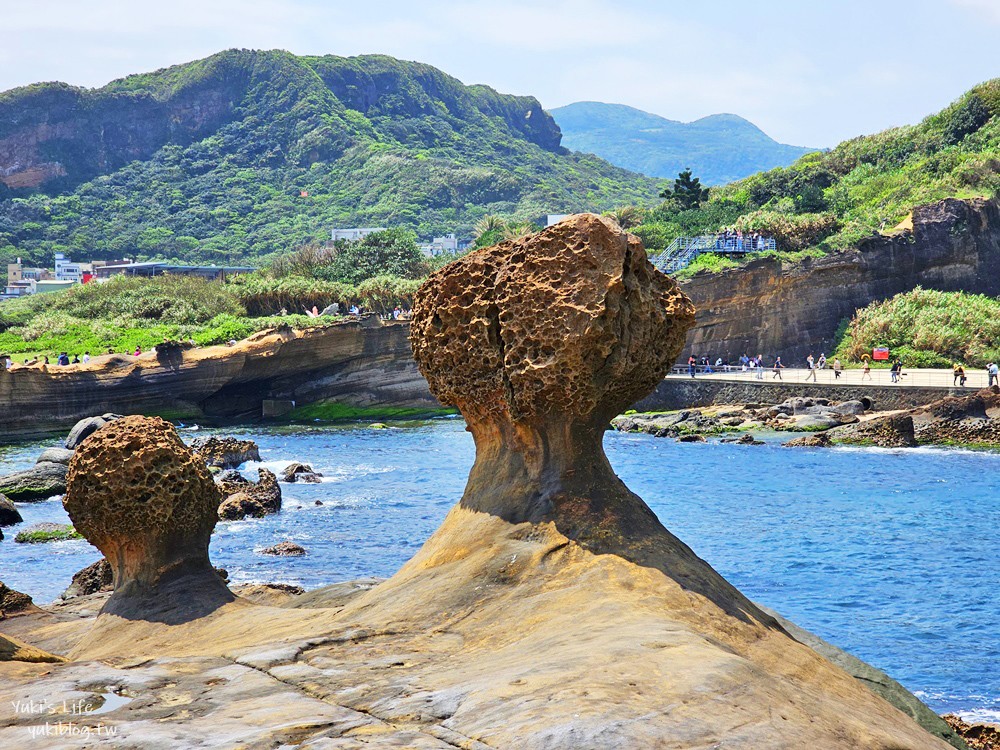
971, 421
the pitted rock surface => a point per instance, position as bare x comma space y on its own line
573, 320
225, 453
138, 494
253, 499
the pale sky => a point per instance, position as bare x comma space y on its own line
810, 73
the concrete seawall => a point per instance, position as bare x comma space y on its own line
681, 393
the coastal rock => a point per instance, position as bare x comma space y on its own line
540, 342
87, 427
41, 533
11, 649
691, 439
138, 494
55, 456
976, 736
40, 482
806, 422
891, 431
821, 440
230, 482
284, 549
269, 594
93, 579
226, 453
12, 602
297, 472
744, 439
253, 500
9, 515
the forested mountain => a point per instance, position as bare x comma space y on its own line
247, 153
717, 148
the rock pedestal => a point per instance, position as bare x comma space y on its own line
149, 504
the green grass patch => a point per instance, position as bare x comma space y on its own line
336, 412
40, 536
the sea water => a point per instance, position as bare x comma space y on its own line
890, 554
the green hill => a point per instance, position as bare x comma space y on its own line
248, 153
719, 148
831, 200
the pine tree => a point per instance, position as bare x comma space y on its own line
687, 190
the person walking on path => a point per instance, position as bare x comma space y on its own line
837, 367
866, 371
759, 366
778, 367
692, 363
993, 371
811, 364
894, 371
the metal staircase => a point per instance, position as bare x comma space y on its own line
683, 250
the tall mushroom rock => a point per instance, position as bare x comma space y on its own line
138, 494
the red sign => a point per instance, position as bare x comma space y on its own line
880, 352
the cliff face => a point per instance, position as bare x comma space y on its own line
353, 363
764, 308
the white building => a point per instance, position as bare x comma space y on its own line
66, 270
441, 245
354, 234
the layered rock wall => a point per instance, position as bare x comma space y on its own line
771, 308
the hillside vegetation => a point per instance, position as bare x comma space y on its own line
249, 153
828, 201
926, 328
719, 148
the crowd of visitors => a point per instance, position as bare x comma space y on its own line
739, 242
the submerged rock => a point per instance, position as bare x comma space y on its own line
255, 500
691, 439
284, 549
226, 453
820, 440
9, 515
40, 533
297, 472
40, 482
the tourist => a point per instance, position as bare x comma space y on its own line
692, 365
866, 370
959, 373
811, 366
63, 359
778, 367
138, 351
86, 357
76, 359
7, 362
821, 362
837, 367
993, 371
894, 371
46, 359
760, 367
708, 365
110, 350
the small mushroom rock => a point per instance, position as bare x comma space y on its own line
225, 453
297, 472
254, 499
138, 494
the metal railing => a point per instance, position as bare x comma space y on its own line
683, 250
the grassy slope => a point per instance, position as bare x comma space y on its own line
828, 201
373, 140
926, 328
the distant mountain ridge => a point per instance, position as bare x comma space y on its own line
718, 148
248, 152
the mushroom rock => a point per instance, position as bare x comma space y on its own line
138, 494
552, 609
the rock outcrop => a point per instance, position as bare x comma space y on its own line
9, 514
347, 362
225, 453
85, 428
11, 649
40, 482
254, 500
93, 579
284, 549
890, 431
297, 472
150, 505
775, 307
822, 440
12, 602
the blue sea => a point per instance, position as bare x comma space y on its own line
892, 555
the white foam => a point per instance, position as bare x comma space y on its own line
980, 716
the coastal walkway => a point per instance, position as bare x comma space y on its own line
683, 250
919, 378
